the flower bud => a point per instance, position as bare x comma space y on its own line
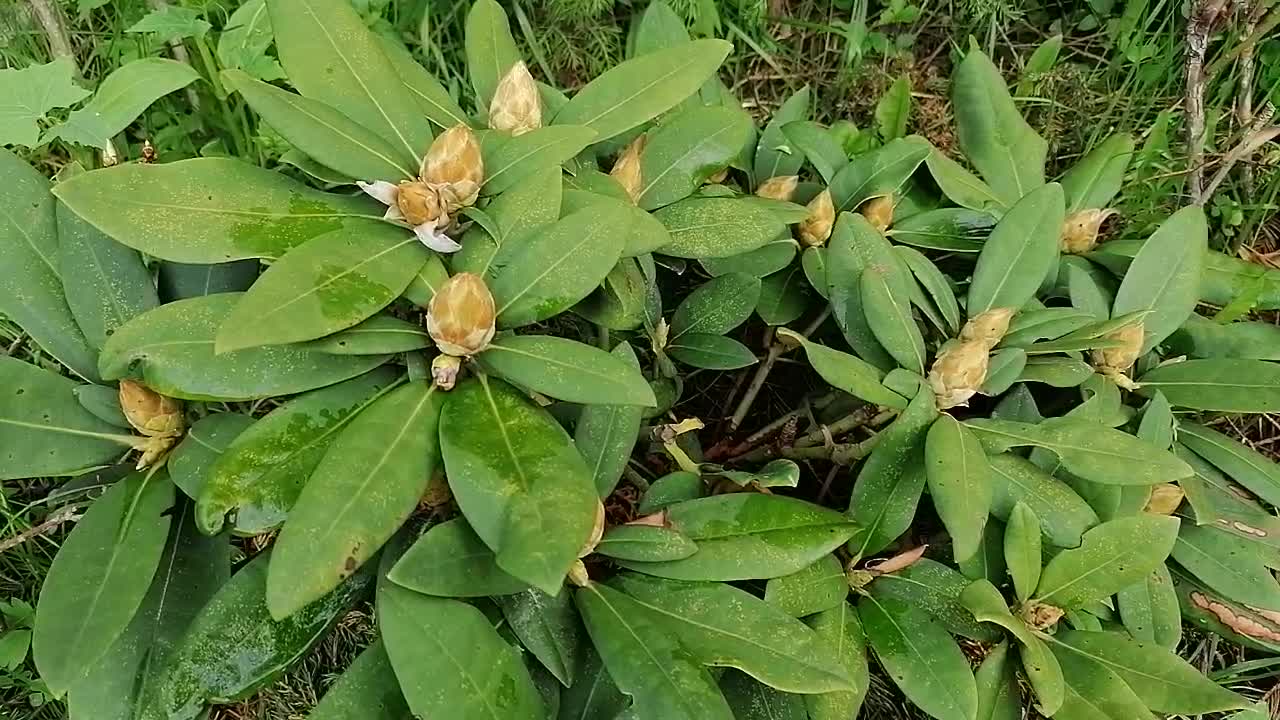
1080, 230
626, 169
1123, 356
719, 177
958, 372
454, 158
419, 202
988, 327
516, 106
444, 371
149, 412
460, 317
1165, 498
1041, 616
816, 229
878, 211
597, 532
781, 187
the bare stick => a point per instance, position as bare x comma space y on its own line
1203, 15
762, 373
1244, 105
70, 513
55, 32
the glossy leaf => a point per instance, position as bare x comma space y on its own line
670, 489
994, 137
816, 588
1020, 252
959, 479
450, 560
548, 627
103, 402
1164, 278
111, 283
1149, 609
1111, 556
1022, 550
1251, 386
567, 370
921, 658
645, 543
686, 150
1064, 516
717, 227
949, 230
847, 372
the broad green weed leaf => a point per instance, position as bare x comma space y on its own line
1022, 550
450, 560
1095, 179
108, 283
959, 479
1249, 386
1111, 557
169, 23
31, 92
1064, 515
717, 227
686, 150
1020, 252
1164, 278
367, 690
923, 660
816, 588
120, 99
567, 370
1149, 609
994, 137
548, 627
245, 37
894, 110
490, 49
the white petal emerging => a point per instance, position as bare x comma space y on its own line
384, 192
393, 213
435, 239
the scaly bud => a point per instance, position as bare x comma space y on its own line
454, 159
781, 187
597, 532
816, 229
958, 372
516, 106
419, 203
1165, 498
1080, 230
460, 317
444, 371
1040, 616
149, 412
1115, 361
988, 327
626, 169
878, 211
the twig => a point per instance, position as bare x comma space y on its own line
1203, 15
69, 513
1254, 139
55, 32
1263, 28
1244, 107
803, 449
839, 453
763, 433
762, 373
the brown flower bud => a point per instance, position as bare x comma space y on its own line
454, 158
1080, 230
958, 372
988, 327
1122, 357
816, 229
419, 202
719, 177
516, 106
460, 317
878, 211
1165, 498
1040, 616
149, 412
781, 187
626, 169
597, 532
444, 371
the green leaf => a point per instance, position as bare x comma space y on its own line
921, 658
1250, 386
1164, 278
645, 543
841, 630
490, 49
594, 696
1094, 692
379, 335
1243, 464
671, 489
949, 229
191, 462
1004, 367
99, 578
1095, 179
988, 562
887, 306
784, 297
717, 227
436, 102
847, 372
883, 171
712, 352
744, 536
959, 185
774, 157
894, 110
103, 403
367, 484
716, 306
1231, 566
31, 92
663, 678
935, 589
636, 91
519, 480
331, 57
687, 149
548, 627
179, 281
551, 270
567, 370
450, 560
625, 299
31, 287
813, 589
209, 210
449, 659
727, 627
366, 690
819, 146
606, 434
172, 346
1022, 550
1149, 609
509, 161
1030, 325
752, 700
1020, 252
246, 36
992, 134
324, 133
814, 262
44, 430
121, 98
1111, 556
1063, 515
111, 283
1204, 338
988, 605
937, 284
644, 233
1056, 371
170, 23
889, 484
959, 479
997, 681
1164, 682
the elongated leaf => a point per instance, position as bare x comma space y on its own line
366, 690
1204, 338
949, 229
717, 306
686, 150
179, 281
606, 434
450, 560
31, 287
988, 562
894, 110
567, 370
329, 284
934, 588
888, 311
1095, 179
436, 102
120, 98
491, 51
210, 210
1225, 385
743, 536
44, 430
1149, 609
324, 133
959, 185
173, 345
884, 171
379, 335
712, 352
519, 480
99, 578
1094, 692
753, 700
1020, 252
662, 677
847, 372
773, 156
1022, 550
1164, 682
937, 284
191, 462
819, 146
717, 227
594, 696
1164, 278
332, 57
1231, 566
103, 403
997, 681
111, 284
1064, 516
1111, 556
366, 485
988, 605
645, 543
921, 657
993, 135
840, 629
783, 297
1243, 464
767, 259
816, 588
509, 161
625, 299
959, 479
246, 36
548, 627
